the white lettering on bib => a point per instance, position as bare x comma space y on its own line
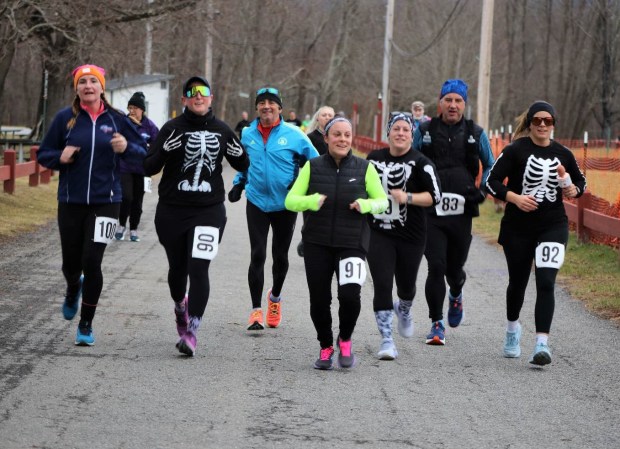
105, 228
352, 270
549, 255
450, 204
206, 242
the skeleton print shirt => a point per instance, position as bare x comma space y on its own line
414, 173
190, 149
533, 170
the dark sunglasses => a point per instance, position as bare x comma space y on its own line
268, 90
548, 121
194, 91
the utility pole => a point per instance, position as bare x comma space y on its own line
148, 44
209, 50
387, 60
484, 70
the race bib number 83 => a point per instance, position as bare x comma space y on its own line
352, 270
206, 239
105, 228
549, 255
450, 204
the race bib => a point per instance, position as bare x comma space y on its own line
450, 204
549, 255
206, 239
352, 270
148, 184
105, 228
392, 212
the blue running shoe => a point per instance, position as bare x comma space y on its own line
85, 336
133, 236
541, 355
437, 335
511, 343
71, 305
455, 312
120, 233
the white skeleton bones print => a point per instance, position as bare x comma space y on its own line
394, 176
540, 178
201, 152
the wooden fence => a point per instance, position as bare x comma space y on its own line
11, 170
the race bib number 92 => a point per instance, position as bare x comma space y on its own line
549, 255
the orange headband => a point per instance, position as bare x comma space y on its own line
89, 69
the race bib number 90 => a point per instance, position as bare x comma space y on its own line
352, 270
549, 255
450, 204
392, 212
105, 228
206, 239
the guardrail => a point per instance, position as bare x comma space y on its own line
11, 170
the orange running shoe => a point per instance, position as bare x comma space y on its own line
255, 323
274, 311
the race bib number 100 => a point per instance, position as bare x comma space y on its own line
549, 255
352, 270
206, 239
105, 228
451, 204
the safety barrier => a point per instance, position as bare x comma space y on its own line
11, 170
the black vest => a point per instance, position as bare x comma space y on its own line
335, 224
455, 151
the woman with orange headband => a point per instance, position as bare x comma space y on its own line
85, 143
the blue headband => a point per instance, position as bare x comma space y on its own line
400, 116
454, 87
335, 120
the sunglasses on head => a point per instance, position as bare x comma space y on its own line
194, 91
268, 90
548, 121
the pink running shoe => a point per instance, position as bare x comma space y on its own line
187, 344
325, 360
182, 318
346, 358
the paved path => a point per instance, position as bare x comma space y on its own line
134, 390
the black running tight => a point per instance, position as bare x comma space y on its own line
80, 254
133, 195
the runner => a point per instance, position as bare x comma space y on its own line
190, 216
338, 188
534, 227
277, 149
398, 235
85, 143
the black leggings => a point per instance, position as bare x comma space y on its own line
447, 244
283, 225
520, 251
80, 254
175, 226
133, 195
390, 259
321, 263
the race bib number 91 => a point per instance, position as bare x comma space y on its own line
450, 204
206, 239
549, 255
105, 228
352, 270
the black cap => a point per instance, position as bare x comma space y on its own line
137, 100
195, 79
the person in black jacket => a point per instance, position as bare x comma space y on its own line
191, 216
534, 228
338, 188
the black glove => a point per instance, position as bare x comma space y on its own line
235, 193
476, 196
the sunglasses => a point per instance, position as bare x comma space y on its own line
548, 121
194, 91
268, 90
395, 113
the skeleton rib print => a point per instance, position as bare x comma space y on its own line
540, 178
201, 151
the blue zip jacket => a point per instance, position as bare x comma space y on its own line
94, 176
274, 166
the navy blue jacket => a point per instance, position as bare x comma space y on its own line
94, 176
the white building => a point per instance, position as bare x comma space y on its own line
156, 90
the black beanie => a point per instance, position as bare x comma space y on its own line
268, 96
538, 106
137, 100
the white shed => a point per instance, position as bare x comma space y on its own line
156, 90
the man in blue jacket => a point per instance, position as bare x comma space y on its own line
276, 149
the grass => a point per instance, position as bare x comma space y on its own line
590, 272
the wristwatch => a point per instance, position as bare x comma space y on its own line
409, 198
